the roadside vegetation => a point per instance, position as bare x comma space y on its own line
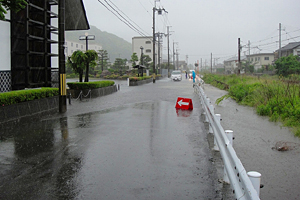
99, 66
18, 96
277, 97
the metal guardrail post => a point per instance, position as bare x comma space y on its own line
216, 147
211, 108
255, 179
69, 98
229, 134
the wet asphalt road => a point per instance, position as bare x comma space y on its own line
132, 144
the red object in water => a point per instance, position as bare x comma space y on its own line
184, 103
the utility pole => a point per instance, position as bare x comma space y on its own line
248, 47
159, 12
210, 62
158, 53
168, 50
279, 51
239, 55
177, 58
154, 72
174, 56
62, 61
201, 65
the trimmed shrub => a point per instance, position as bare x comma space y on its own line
14, 97
90, 85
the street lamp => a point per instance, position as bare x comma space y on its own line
142, 62
86, 37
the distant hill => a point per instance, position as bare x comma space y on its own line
114, 45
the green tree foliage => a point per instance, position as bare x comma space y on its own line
90, 60
134, 59
77, 62
102, 59
146, 60
288, 65
15, 5
247, 67
120, 64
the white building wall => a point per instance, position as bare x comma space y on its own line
146, 43
5, 45
71, 46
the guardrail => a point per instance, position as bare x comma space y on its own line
244, 185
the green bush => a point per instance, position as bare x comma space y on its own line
13, 97
276, 97
90, 85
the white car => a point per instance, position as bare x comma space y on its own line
176, 75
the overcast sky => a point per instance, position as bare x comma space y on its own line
202, 27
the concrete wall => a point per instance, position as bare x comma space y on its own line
5, 45
29, 109
93, 93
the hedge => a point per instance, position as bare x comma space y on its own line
90, 85
14, 97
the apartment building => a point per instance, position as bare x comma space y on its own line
261, 60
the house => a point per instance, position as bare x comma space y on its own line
290, 48
261, 60
232, 63
29, 44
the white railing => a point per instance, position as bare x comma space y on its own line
242, 186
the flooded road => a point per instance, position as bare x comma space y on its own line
132, 144
256, 143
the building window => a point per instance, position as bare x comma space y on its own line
71, 44
266, 58
148, 50
258, 58
76, 45
148, 42
81, 46
71, 51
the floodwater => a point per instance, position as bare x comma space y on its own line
256, 143
132, 144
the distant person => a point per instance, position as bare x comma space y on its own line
185, 74
194, 76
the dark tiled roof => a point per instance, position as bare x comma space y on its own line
290, 46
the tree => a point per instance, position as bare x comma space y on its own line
15, 6
146, 60
120, 64
103, 57
134, 59
247, 66
90, 59
288, 65
77, 62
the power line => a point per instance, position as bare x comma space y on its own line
127, 22
126, 16
121, 17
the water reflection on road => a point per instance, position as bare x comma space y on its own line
138, 150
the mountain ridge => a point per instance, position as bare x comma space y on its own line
115, 46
